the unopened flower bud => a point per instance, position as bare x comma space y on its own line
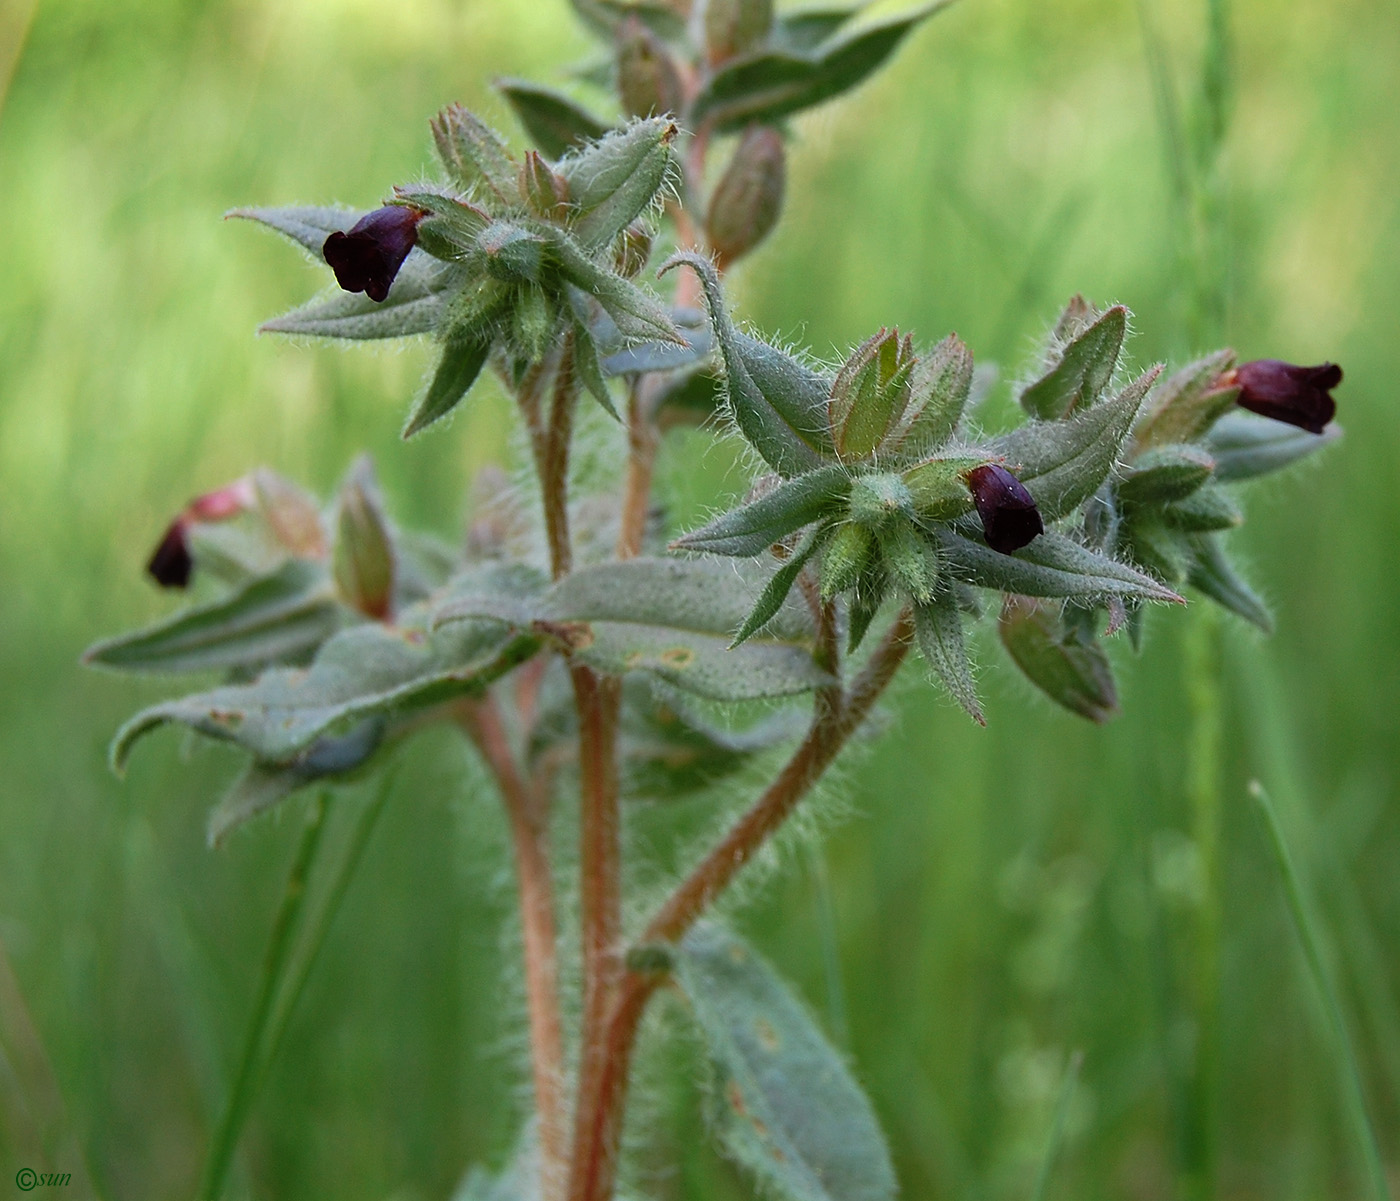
1287, 392
733, 26
746, 202
543, 190
633, 250
368, 257
171, 564
363, 560
648, 82
1010, 519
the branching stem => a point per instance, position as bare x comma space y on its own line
598, 1125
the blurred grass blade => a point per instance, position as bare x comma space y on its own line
319, 926
1362, 1125
1057, 1127
240, 1103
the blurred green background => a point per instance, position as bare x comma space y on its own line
1000, 897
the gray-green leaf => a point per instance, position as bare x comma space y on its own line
276, 618
365, 671
753, 527
1062, 463
1051, 565
415, 305
1246, 446
938, 626
785, 1106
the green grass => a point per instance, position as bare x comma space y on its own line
999, 898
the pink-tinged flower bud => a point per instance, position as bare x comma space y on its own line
1287, 392
1009, 517
171, 565
748, 198
367, 258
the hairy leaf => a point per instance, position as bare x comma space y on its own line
461, 362
264, 785
778, 404
1062, 463
637, 315
753, 527
1072, 670
614, 181
1165, 474
307, 226
415, 305
1211, 573
785, 1106
1188, 402
1051, 565
276, 618
1083, 371
939, 629
1246, 446
365, 671
780, 583
673, 618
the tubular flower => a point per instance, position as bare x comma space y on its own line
171, 563
1287, 392
1009, 517
368, 257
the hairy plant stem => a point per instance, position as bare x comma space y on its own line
553, 463
480, 718
642, 444
598, 1122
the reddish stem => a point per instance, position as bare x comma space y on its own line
481, 720
598, 1124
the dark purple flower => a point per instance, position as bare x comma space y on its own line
171, 565
1287, 392
1009, 516
367, 258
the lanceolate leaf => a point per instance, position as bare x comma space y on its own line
276, 618
778, 404
752, 528
1246, 446
415, 305
1211, 573
1071, 669
770, 84
1085, 367
804, 30
784, 1105
1062, 463
1051, 565
938, 626
308, 227
366, 671
457, 370
638, 317
775, 592
555, 123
